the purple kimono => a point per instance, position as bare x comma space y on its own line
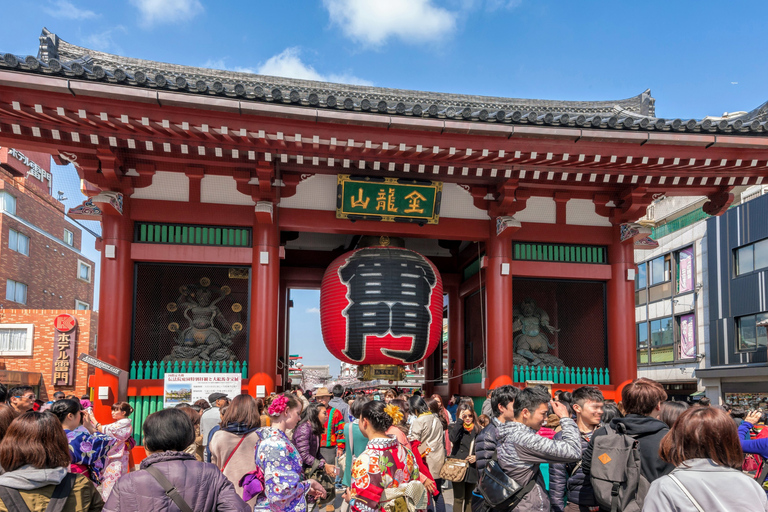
284, 489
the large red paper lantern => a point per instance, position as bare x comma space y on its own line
381, 306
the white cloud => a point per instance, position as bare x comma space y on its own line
288, 64
495, 5
67, 10
313, 311
373, 23
167, 11
104, 41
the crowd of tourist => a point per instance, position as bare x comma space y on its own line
301, 451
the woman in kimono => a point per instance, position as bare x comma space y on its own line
121, 430
88, 448
381, 474
278, 458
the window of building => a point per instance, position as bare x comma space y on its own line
69, 237
83, 271
16, 292
18, 242
752, 257
7, 202
750, 335
640, 277
82, 306
16, 339
642, 343
662, 340
660, 270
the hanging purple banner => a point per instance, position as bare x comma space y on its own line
687, 336
685, 271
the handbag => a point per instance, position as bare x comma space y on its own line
499, 489
315, 472
455, 470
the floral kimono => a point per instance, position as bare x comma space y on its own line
117, 463
384, 464
89, 453
284, 489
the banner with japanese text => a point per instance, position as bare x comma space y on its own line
189, 387
687, 336
64, 344
685, 271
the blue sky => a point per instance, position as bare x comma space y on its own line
698, 58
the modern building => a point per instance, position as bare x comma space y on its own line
737, 257
44, 274
218, 192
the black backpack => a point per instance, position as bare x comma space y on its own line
615, 473
13, 500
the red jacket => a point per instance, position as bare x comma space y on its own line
336, 430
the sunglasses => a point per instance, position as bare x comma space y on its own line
28, 397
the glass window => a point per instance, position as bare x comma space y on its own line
69, 237
640, 277
83, 306
16, 292
8, 202
656, 268
750, 336
745, 261
16, 339
84, 271
642, 343
18, 242
662, 340
761, 254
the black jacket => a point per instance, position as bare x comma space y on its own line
648, 432
577, 488
485, 444
462, 444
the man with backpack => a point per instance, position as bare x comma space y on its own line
622, 459
521, 450
567, 480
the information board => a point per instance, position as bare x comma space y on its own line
190, 387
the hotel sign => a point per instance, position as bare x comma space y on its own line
388, 199
34, 169
64, 341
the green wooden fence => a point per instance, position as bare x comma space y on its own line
143, 406
563, 375
158, 369
559, 252
181, 234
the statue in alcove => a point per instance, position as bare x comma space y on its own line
202, 340
532, 343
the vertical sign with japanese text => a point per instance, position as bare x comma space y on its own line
687, 336
64, 344
388, 199
685, 271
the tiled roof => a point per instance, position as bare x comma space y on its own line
57, 57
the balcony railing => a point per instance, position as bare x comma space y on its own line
563, 375
158, 369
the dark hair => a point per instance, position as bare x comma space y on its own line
3, 392
58, 395
565, 396
703, 433
19, 390
502, 396
37, 439
337, 390
293, 401
418, 405
7, 415
466, 400
243, 409
586, 394
169, 429
670, 411
193, 415
123, 406
202, 404
705, 402
531, 398
641, 396
310, 415
467, 407
62, 408
357, 406
434, 407
738, 412
373, 411
483, 420
610, 411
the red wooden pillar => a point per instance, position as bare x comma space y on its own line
622, 353
265, 293
115, 303
455, 334
498, 275
282, 334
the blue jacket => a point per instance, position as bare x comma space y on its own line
758, 446
485, 444
577, 488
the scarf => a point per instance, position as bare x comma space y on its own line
239, 428
470, 427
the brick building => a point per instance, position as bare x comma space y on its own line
43, 273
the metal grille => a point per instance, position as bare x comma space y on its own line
577, 308
163, 314
559, 252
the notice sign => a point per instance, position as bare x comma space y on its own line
64, 341
685, 271
388, 199
687, 336
190, 387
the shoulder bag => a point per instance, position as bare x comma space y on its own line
455, 470
170, 490
501, 490
13, 500
233, 452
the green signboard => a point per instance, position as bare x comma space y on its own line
388, 199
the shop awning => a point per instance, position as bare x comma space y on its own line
13, 378
698, 394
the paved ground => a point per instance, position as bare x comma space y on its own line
447, 496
